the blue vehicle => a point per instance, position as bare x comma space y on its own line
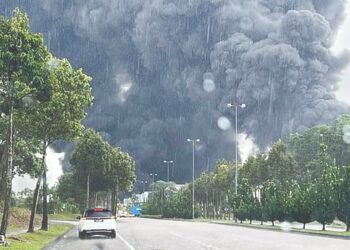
135, 210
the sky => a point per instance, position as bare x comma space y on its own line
53, 161
343, 42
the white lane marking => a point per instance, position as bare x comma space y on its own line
125, 242
197, 241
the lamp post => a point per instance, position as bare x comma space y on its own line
321, 136
168, 164
236, 106
193, 141
153, 175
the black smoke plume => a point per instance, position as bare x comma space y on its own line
164, 70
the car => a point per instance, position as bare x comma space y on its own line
97, 221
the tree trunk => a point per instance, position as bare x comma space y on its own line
348, 227
8, 176
304, 225
113, 202
34, 205
36, 192
3, 171
323, 226
45, 219
88, 191
273, 223
250, 221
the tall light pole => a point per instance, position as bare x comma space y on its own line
153, 175
193, 141
236, 106
168, 164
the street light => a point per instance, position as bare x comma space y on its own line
193, 141
168, 163
242, 106
153, 175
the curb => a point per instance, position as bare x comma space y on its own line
52, 243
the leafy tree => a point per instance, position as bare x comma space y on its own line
281, 164
343, 213
303, 201
326, 197
101, 166
60, 118
22, 62
90, 160
121, 173
255, 170
70, 191
244, 204
272, 201
305, 146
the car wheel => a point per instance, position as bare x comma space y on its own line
82, 235
113, 234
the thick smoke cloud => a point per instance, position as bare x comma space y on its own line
151, 58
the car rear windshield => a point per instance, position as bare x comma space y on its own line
93, 213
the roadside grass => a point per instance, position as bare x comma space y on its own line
282, 228
38, 239
65, 216
19, 219
147, 216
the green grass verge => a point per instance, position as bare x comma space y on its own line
38, 239
277, 228
151, 216
69, 217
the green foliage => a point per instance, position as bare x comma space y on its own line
255, 170
305, 146
22, 63
281, 164
91, 157
343, 213
303, 201
165, 200
326, 197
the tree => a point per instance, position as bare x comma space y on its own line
281, 164
22, 62
255, 169
303, 201
273, 201
121, 173
343, 213
326, 197
305, 146
70, 191
60, 118
244, 204
90, 159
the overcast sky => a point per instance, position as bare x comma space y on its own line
343, 42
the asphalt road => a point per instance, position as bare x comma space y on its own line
148, 234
